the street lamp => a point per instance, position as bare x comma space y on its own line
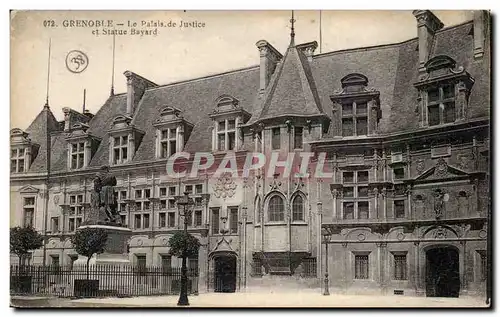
184, 204
326, 238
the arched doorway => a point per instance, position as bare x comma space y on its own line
225, 274
442, 272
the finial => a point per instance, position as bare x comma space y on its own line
292, 34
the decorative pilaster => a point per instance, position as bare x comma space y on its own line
382, 260
463, 276
345, 279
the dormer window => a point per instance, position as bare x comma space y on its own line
356, 107
81, 146
354, 119
17, 160
168, 142
23, 151
120, 149
125, 138
227, 116
444, 91
226, 135
441, 106
172, 131
77, 155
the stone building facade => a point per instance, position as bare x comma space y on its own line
404, 129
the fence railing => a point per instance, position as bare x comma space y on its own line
108, 280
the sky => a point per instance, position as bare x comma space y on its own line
226, 42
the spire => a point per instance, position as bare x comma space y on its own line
84, 95
292, 33
113, 68
46, 106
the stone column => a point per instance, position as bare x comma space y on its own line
382, 258
408, 192
131, 146
180, 138
87, 153
372, 116
203, 265
463, 275
334, 194
345, 278
418, 287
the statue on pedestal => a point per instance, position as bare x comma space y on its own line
103, 205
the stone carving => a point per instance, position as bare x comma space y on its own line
462, 229
439, 197
225, 187
440, 233
299, 184
56, 199
464, 161
441, 168
420, 166
103, 205
275, 184
361, 237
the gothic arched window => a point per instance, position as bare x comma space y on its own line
298, 208
276, 209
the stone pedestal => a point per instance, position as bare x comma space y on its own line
106, 275
115, 251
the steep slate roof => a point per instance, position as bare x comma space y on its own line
291, 90
196, 99
39, 129
298, 86
102, 122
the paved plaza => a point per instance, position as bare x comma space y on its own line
270, 299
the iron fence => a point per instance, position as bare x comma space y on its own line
109, 280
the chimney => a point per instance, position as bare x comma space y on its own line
269, 58
308, 49
479, 33
428, 24
136, 86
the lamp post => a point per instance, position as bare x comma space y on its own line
184, 204
326, 239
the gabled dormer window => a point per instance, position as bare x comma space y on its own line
228, 116
354, 119
77, 155
125, 138
172, 132
443, 92
120, 149
226, 135
356, 107
17, 159
168, 142
441, 104
81, 146
22, 152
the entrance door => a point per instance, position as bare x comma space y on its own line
442, 272
225, 274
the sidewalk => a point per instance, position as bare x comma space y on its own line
299, 299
